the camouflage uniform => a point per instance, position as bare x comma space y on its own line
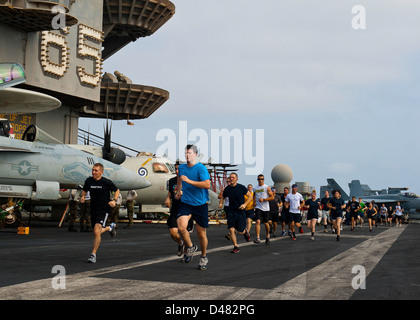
73, 209
85, 223
131, 196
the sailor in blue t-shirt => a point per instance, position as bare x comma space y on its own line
194, 182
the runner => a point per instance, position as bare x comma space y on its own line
371, 214
225, 206
353, 208
398, 214
312, 205
337, 205
284, 212
384, 214
326, 211
194, 181
390, 215
236, 218
249, 210
275, 205
294, 201
375, 206
100, 207
173, 203
262, 194
361, 211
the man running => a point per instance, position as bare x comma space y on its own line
173, 204
295, 202
194, 181
262, 194
284, 215
336, 204
354, 208
236, 218
100, 189
275, 205
325, 210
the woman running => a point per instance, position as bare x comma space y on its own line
312, 205
371, 214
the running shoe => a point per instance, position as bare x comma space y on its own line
283, 233
189, 254
235, 250
91, 259
257, 240
247, 236
267, 240
203, 263
301, 230
112, 230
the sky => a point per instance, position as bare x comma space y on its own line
329, 88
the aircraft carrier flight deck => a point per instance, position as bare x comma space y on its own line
141, 263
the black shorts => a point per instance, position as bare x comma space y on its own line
294, 217
171, 222
250, 214
274, 216
312, 215
283, 216
354, 215
262, 215
98, 217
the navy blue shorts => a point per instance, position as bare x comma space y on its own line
200, 214
312, 215
336, 215
237, 220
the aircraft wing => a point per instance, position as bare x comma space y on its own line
13, 149
382, 200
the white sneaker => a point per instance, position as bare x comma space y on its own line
203, 263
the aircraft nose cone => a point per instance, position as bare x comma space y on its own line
128, 180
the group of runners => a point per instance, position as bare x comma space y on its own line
357, 211
188, 197
188, 200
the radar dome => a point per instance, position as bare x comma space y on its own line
282, 173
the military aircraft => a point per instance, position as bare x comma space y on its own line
409, 201
37, 167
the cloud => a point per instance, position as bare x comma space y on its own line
342, 168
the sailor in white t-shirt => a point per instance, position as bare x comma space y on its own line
262, 196
294, 201
398, 214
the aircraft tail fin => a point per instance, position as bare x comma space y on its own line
356, 189
335, 186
